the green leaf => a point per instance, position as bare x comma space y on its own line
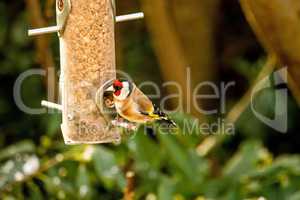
178, 155
295, 196
245, 160
166, 189
107, 169
35, 192
290, 164
83, 182
145, 151
21, 147
191, 165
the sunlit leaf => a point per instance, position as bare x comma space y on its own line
83, 182
21, 147
107, 168
35, 192
166, 189
245, 160
145, 151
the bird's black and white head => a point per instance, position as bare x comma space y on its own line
121, 89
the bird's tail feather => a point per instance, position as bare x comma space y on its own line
168, 123
163, 118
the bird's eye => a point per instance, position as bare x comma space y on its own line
118, 87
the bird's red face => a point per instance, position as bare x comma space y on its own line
118, 86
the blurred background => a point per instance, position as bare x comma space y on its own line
221, 41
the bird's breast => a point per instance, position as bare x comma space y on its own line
131, 112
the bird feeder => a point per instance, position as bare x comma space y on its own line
87, 60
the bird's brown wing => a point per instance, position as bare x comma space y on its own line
144, 104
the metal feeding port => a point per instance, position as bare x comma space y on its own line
87, 60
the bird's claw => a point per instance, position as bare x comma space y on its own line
121, 123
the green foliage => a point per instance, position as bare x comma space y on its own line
164, 167
36, 164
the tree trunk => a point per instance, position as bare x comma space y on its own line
182, 42
195, 23
277, 25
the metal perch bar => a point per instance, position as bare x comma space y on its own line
46, 30
129, 17
54, 29
114, 122
51, 105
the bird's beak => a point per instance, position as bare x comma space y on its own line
110, 89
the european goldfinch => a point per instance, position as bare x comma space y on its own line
133, 105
